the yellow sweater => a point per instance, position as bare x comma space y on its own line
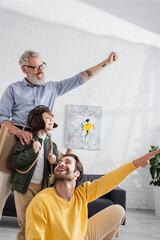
49, 217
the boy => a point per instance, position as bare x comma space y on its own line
33, 163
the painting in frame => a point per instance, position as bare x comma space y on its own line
83, 127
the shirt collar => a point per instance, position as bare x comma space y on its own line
26, 83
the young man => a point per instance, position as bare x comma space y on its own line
60, 212
22, 96
30, 176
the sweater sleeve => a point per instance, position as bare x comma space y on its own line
35, 222
105, 184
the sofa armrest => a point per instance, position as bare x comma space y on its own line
118, 196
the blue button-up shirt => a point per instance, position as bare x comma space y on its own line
20, 97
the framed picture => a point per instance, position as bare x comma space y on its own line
83, 127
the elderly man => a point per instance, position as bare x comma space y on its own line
22, 96
60, 212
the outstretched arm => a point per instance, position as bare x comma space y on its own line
144, 160
93, 71
106, 183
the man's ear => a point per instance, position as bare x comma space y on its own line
23, 69
77, 174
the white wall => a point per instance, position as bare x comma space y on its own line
128, 90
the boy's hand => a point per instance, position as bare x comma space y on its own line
36, 146
51, 158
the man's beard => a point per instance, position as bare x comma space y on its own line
33, 80
63, 177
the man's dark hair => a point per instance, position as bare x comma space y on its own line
78, 166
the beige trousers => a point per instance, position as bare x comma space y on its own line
22, 201
5, 189
105, 224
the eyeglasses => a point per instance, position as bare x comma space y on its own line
36, 68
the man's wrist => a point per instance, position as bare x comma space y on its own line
15, 130
107, 62
135, 163
12, 128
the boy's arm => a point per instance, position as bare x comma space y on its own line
22, 155
56, 153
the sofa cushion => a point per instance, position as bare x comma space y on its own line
9, 208
98, 205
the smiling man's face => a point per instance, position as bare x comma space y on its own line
65, 169
36, 77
